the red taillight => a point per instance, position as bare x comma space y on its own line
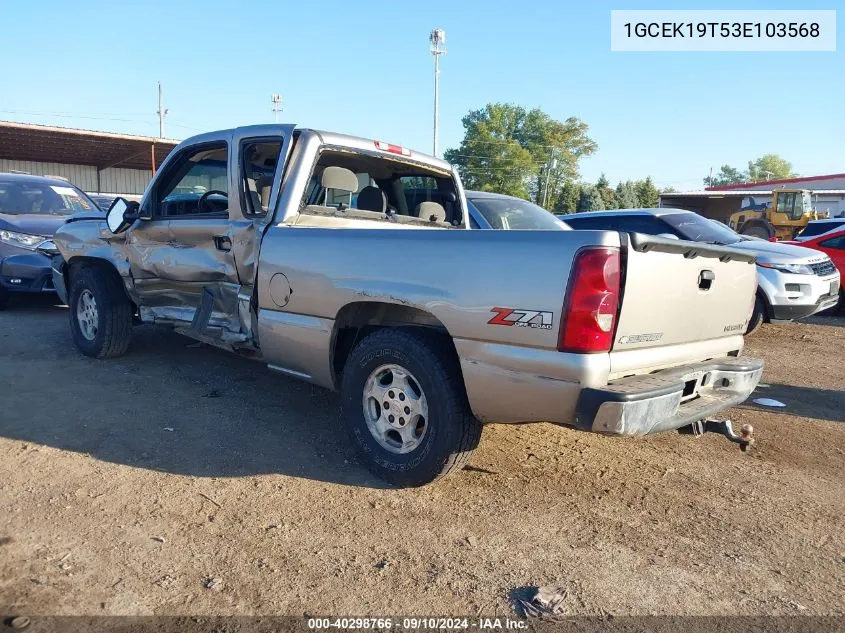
592, 301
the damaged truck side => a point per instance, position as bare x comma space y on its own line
348, 263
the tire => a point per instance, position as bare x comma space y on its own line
4, 298
105, 330
758, 229
758, 315
437, 437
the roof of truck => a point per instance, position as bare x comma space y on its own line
329, 138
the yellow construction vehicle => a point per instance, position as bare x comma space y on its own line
789, 211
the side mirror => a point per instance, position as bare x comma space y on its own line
121, 215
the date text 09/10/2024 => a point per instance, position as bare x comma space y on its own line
417, 624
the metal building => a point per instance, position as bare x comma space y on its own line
719, 203
96, 162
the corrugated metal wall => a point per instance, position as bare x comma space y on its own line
112, 179
120, 180
83, 176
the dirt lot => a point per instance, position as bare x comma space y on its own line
125, 485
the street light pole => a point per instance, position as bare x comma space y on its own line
162, 112
438, 48
276, 100
551, 165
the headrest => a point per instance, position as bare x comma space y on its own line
339, 178
372, 199
431, 212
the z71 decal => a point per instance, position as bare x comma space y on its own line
522, 318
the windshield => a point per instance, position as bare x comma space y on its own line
817, 228
514, 214
23, 198
696, 228
807, 202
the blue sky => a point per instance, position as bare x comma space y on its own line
362, 67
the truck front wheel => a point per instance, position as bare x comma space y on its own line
100, 313
405, 406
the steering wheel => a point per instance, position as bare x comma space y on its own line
205, 196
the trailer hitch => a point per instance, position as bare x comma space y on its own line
722, 427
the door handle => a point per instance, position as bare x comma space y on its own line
222, 243
706, 279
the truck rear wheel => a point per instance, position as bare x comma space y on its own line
4, 298
100, 313
404, 404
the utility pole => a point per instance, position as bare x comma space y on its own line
162, 112
276, 100
552, 165
438, 47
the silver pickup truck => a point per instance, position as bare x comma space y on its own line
349, 263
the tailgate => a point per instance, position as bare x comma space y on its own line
679, 292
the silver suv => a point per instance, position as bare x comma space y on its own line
792, 281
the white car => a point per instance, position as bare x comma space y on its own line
792, 281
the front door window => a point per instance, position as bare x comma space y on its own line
198, 185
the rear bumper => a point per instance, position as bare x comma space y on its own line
27, 272
668, 399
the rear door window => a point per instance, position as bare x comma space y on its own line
258, 170
835, 243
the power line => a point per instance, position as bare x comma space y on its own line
68, 115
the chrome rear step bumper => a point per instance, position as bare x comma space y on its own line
668, 399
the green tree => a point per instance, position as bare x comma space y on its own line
590, 200
769, 167
506, 148
647, 194
626, 195
727, 175
567, 200
607, 194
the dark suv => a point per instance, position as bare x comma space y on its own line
32, 208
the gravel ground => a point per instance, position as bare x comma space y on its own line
182, 480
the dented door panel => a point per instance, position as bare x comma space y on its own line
172, 261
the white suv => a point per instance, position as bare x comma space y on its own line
792, 281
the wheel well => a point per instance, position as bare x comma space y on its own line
93, 262
767, 307
358, 320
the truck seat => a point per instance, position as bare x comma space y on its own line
430, 211
372, 199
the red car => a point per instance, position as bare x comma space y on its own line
832, 244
